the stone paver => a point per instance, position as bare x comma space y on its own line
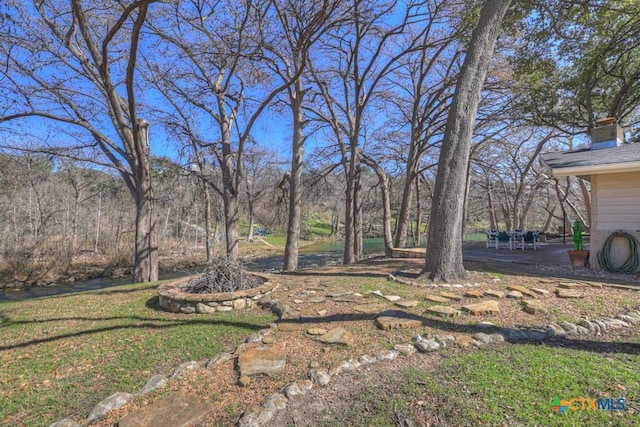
594, 284
438, 299
515, 295
480, 308
570, 285
450, 295
176, 410
407, 303
495, 294
393, 319
263, 360
523, 290
392, 298
568, 293
540, 291
534, 306
337, 336
474, 293
443, 311
370, 308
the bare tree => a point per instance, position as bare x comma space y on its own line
261, 175
421, 91
299, 25
73, 64
213, 67
358, 57
385, 191
511, 174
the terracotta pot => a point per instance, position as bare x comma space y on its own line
578, 258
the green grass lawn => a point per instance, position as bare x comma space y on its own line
61, 355
515, 385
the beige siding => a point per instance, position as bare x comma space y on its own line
615, 206
618, 201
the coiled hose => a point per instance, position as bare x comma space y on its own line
631, 264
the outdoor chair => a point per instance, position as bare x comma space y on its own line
532, 238
492, 238
504, 240
517, 240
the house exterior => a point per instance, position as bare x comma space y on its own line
613, 168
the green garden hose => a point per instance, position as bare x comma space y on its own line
631, 264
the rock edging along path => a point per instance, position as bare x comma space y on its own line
171, 298
262, 414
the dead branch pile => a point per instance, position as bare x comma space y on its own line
222, 275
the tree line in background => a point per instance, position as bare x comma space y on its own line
361, 90
56, 211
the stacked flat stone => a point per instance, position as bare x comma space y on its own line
171, 298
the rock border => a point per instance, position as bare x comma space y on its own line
176, 301
261, 415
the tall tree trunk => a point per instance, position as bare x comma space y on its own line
348, 255
207, 221
493, 218
335, 224
229, 188
549, 220
358, 248
251, 222
385, 190
465, 204
386, 216
418, 233
98, 218
295, 183
506, 215
146, 247
443, 258
231, 224
404, 217
353, 250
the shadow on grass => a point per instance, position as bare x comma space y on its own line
151, 303
140, 323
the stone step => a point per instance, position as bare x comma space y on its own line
176, 410
485, 307
443, 311
393, 319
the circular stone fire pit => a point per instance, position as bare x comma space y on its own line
172, 298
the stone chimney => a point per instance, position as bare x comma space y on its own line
606, 134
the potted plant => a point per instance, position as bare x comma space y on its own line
578, 256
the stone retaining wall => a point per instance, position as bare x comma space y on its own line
171, 298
